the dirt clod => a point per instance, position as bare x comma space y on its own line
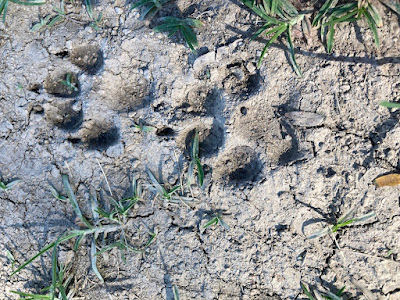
63, 115
97, 134
196, 98
259, 126
124, 93
239, 164
56, 84
87, 57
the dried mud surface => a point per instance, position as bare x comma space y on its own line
275, 180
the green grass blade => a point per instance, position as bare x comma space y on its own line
265, 6
306, 291
346, 18
119, 245
195, 146
155, 183
260, 12
324, 231
74, 203
211, 222
343, 9
43, 250
63, 293
78, 242
332, 296
139, 3
289, 8
69, 235
56, 194
200, 171
29, 296
322, 12
193, 22
279, 30
372, 25
11, 184
54, 271
30, 2
291, 52
89, 10
94, 205
93, 260
375, 15
149, 12
273, 7
174, 189
330, 38
176, 292
190, 175
341, 291
166, 27
348, 215
189, 36
340, 225
223, 224
3, 9
173, 31
151, 239
390, 104
261, 30
365, 217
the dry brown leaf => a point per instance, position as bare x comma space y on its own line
387, 180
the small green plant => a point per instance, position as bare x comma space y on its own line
59, 287
11, 259
185, 26
169, 195
151, 7
390, 104
330, 15
346, 220
217, 220
319, 296
95, 20
6, 186
393, 5
279, 16
176, 292
195, 161
102, 223
120, 210
140, 127
56, 194
69, 84
50, 20
4, 5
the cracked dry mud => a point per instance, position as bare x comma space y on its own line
274, 179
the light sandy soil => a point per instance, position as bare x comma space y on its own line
275, 176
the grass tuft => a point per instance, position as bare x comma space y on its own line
151, 7
330, 15
345, 220
279, 17
217, 220
173, 25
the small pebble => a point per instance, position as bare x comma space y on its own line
118, 10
